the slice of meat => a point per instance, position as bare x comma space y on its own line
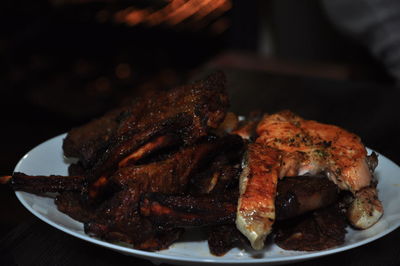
85, 141
177, 211
70, 203
300, 194
188, 111
118, 218
223, 238
319, 230
43, 184
256, 204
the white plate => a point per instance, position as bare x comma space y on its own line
47, 158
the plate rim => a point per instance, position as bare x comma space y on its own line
156, 256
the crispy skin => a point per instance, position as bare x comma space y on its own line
320, 230
311, 147
258, 181
176, 211
43, 184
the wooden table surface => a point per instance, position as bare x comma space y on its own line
370, 110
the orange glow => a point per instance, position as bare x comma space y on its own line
193, 13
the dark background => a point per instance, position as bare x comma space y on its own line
66, 62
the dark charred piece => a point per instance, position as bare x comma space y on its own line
297, 195
300, 194
223, 238
71, 204
90, 139
189, 111
118, 218
319, 230
178, 211
43, 184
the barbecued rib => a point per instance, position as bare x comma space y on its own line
295, 196
43, 184
118, 218
188, 111
176, 210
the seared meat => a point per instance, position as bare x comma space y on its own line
223, 238
295, 196
320, 230
258, 181
92, 138
43, 184
188, 111
300, 194
175, 211
118, 218
70, 203
297, 147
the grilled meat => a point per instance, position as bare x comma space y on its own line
188, 111
321, 230
43, 184
300, 194
305, 147
177, 211
256, 205
223, 238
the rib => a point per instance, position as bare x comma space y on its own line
118, 218
70, 203
42, 184
5, 179
188, 111
295, 196
223, 238
177, 211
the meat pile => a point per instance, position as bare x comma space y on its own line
178, 159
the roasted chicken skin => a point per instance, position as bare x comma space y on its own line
300, 147
258, 182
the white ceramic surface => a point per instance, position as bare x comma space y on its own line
47, 159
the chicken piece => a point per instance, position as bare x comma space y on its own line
309, 147
365, 209
258, 182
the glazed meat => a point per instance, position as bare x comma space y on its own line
43, 184
177, 211
118, 218
223, 238
188, 111
295, 196
300, 194
92, 138
321, 230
